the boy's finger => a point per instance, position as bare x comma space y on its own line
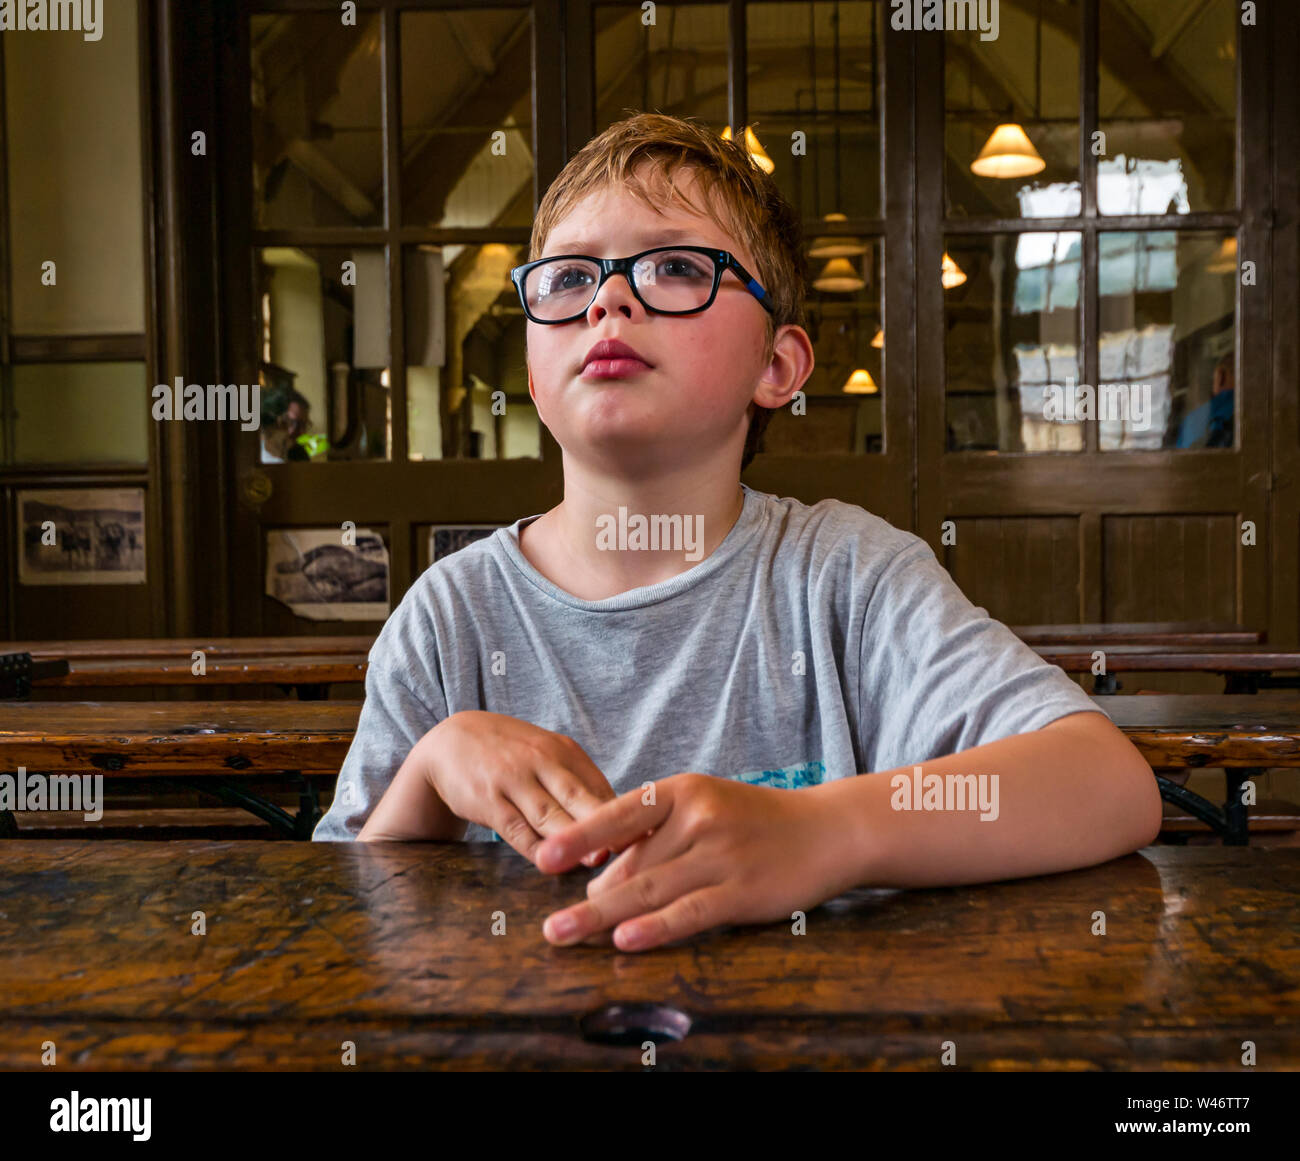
531, 814
578, 762
569, 790
515, 830
624, 820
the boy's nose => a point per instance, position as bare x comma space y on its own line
615, 295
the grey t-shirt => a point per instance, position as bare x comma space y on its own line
816, 642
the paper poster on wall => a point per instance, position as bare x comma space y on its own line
90, 536
323, 578
444, 539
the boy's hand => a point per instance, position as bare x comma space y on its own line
517, 778
721, 852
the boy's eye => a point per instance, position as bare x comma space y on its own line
570, 278
683, 266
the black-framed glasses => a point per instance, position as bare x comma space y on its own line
665, 280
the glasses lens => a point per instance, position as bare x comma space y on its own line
668, 280
675, 279
562, 288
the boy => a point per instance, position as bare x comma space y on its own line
752, 706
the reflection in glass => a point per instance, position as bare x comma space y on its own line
1167, 340
1167, 106
467, 129
317, 120
842, 410
1012, 343
467, 374
814, 70
80, 413
1011, 116
324, 354
677, 65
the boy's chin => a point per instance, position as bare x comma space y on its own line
627, 453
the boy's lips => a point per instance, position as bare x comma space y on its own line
612, 359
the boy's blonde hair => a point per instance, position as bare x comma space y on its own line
739, 196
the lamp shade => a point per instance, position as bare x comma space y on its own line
832, 246
839, 276
860, 383
878, 339
1008, 153
953, 275
757, 154
1225, 258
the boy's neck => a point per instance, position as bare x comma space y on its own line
590, 549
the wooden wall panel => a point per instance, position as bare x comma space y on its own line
1171, 567
1023, 569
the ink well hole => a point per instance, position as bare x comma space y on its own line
634, 1024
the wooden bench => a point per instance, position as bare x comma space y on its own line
213, 745
1245, 668
1199, 633
312, 664
308, 664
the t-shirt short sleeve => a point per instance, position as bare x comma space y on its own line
939, 675
393, 718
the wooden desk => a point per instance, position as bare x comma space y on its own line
1245, 668
182, 647
204, 744
1200, 633
130, 738
309, 673
311, 664
390, 946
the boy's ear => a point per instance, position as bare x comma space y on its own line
791, 365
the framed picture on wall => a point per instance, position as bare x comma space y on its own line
324, 574
87, 536
444, 539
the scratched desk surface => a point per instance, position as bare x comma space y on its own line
390, 946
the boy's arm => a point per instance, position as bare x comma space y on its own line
411, 808
1071, 794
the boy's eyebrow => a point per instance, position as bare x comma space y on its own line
648, 241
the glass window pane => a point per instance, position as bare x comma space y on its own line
467, 373
317, 120
1011, 115
72, 115
1167, 104
1167, 323
677, 65
842, 411
1012, 342
80, 413
467, 127
797, 81
324, 354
